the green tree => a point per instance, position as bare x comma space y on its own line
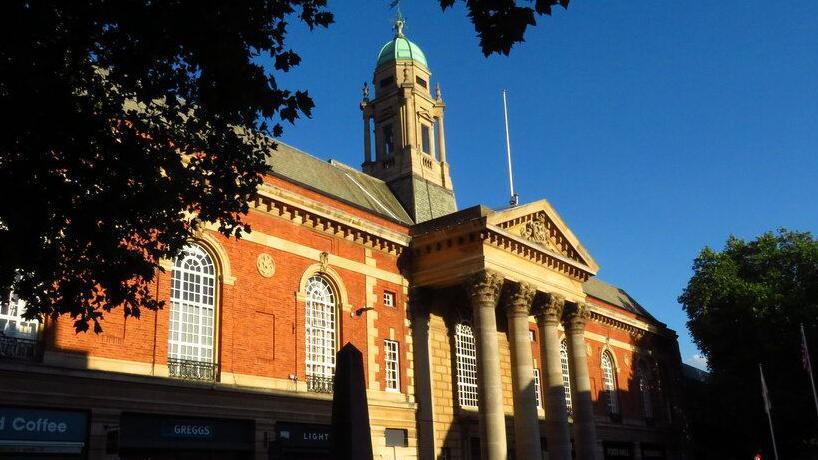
131, 123
745, 304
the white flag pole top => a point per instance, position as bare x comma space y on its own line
767, 408
808, 365
515, 199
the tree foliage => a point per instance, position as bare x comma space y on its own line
502, 23
121, 137
745, 304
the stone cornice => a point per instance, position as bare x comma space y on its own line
300, 210
539, 255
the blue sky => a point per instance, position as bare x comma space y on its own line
654, 128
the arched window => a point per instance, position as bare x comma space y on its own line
566, 375
643, 379
320, 326
466, 359
192, 315
609, 382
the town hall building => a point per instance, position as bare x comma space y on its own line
485, 332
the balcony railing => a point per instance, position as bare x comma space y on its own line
187, 369
319, 383
17, 348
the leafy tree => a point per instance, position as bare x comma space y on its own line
124, 135
745, 304
130, 123
502, 23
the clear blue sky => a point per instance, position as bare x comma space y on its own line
653, 127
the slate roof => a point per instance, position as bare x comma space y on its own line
336, 180
615, 296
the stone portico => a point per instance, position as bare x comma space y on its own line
524, 267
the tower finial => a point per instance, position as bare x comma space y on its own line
399, 22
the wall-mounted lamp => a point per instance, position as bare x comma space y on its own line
363, 310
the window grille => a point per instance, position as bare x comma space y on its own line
537, 390
192, 309
320, 328
392, 359
389, 299
466, 360
609, 383
566, 375
644, 389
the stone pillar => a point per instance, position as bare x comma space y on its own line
483, 289
526, 422
584, 427
367, 140
441, 140
419, 299
549, 315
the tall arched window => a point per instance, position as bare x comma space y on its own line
192, 315
609, 382
320, 326
643, 379
566, 375
465, 352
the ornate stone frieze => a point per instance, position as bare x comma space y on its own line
577, 314
535, 230
550, 307
520, 297
484, 286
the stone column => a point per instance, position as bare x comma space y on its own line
367, 139
419, 299
483, 289
549, 315
526, 422
441, 140
584, 427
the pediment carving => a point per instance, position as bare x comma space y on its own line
541, 230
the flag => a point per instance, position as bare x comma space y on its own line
764, 393
805, 352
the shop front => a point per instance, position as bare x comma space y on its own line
302, 441
42, 433
169, 437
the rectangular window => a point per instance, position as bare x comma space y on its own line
12, 323
389, 299
531, 336
391, 358
396, 437
388, 140
537, 393
421, 82
425, 139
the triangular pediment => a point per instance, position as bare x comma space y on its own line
539, 225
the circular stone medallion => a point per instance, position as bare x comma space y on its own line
266, 265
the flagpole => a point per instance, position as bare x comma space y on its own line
767, 409
808, 366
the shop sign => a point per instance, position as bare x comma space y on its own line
618, 451
172, 432
303, 434
42, 425
651, 452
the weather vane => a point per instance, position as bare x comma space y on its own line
399, 21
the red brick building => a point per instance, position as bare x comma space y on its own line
483, 332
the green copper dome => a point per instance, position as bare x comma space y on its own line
401, 49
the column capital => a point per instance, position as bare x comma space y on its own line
484, 286
549, 308
577, 314
519, 298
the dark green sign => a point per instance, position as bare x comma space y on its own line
42, 425
149, 431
